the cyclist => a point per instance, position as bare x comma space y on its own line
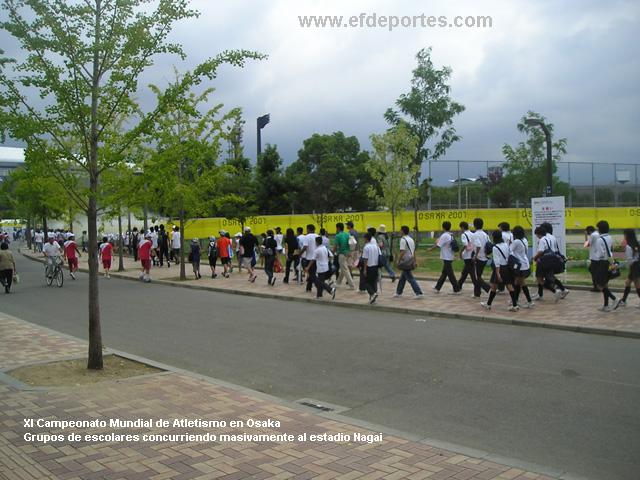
70, 251
52, 252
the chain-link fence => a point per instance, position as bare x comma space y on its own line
461, 184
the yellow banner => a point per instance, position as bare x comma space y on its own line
576, 219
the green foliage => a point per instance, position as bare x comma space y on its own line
392, 169
270, 182
329, 175
525, 168
428, 109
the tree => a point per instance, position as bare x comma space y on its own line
429, 111
393, 169
85, 60
182, 169
525, 164
269, 182
329, 175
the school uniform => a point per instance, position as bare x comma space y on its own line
371, 253
633, 261
446, 255
501, 260
467, 257
600, 264
519, 248
480, 239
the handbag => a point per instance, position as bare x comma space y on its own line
277, 266
16, 278
614, 268
407, 262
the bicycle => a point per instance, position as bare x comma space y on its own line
54, 271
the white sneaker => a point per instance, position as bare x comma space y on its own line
537, 297
514, 308
333, 293
564, 294
396, 295
455, 293
485, 305
528, 305
72, 275
435, 290
475, 298
419, 296
608, 308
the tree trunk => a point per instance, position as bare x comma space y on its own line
44, 227
94, 361
120, 243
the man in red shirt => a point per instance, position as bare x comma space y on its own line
70, 250
224, 247
144, 253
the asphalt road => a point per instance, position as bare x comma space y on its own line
564, 400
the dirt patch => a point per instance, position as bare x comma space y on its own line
75, 372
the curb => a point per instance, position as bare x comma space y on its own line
337, 417
404, 310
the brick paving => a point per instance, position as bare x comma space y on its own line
179, 396
579, 311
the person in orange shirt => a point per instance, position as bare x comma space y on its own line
224, 252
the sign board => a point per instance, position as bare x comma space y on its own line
551, 210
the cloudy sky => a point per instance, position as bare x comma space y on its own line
576, 62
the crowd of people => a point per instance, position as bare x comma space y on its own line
317, 261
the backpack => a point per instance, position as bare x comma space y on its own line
213, 249
454, 244
488, 248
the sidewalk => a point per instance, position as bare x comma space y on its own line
180, 395
578, 312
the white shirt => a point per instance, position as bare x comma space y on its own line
467, 245
301, 238
480, 239
548, 242
278, 237
520, 250
175, 240
444, 242
593, 245
630, 255
408, 246
51, 249
39, 237
310, 243
500, 254
371, 253
601, 252
507, 237
321, 256
326, 242
154, 239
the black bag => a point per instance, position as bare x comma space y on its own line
614, 268
454, 244
488, 248
190, 257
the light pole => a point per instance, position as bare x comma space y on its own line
261, 122
535, 122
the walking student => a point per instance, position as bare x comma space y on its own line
520, 250
194, 257
406, 263
370, 258
212, 255
320, 263
270, 246
632, 257
342, 251
385, 251
7, 266
176, 243
308, 251
501, 273
144, 253
247, 251
466, 254
601, 265
106, 254
292, 253
445, 243
480, 239
591, 237
70, 251
223, 245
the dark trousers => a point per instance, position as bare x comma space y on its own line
293, 260
164, 253
7, 278
321, 283
135, 254
371, 280
468, 270
269, 262
175, 253
362, 283
479, 283
311, 276
447, 272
